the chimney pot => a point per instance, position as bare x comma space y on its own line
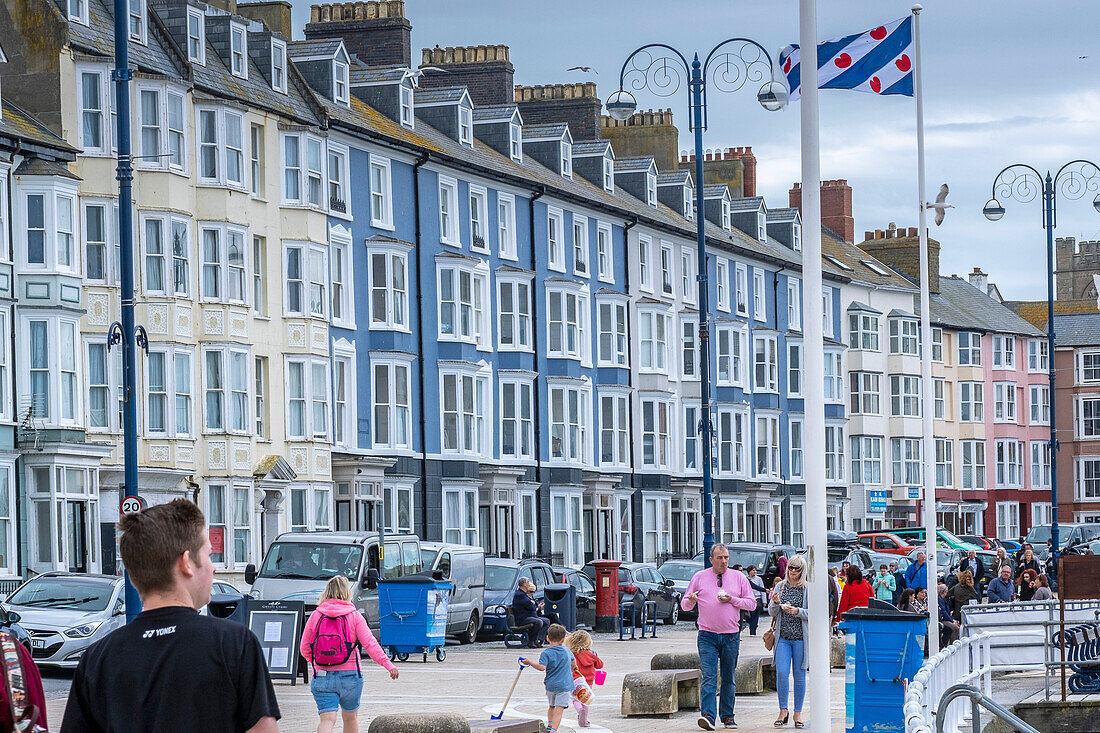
869, 234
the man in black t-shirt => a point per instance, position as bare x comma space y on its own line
172, 669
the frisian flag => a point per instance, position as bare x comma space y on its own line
878, 61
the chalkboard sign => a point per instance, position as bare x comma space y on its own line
278, 626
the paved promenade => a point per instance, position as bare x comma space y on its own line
474, 680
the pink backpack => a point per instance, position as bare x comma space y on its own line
330, 646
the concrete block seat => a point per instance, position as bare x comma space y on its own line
660, 692
754, 674
424, 723
512, 725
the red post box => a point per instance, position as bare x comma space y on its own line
607, 595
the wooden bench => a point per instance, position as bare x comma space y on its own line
660, 692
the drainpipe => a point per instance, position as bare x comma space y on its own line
420, 161
627, 226
536, 194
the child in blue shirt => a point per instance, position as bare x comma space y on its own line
558, 663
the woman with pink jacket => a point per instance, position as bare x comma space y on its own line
334, 635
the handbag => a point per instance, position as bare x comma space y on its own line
769, 636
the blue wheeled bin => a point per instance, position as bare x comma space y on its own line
413, 616
884, 650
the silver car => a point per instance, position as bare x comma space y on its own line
65, 613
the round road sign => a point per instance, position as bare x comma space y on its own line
131, 505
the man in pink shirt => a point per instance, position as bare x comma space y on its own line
720, 594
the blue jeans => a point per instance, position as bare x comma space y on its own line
339, 690
718, 653
788, 660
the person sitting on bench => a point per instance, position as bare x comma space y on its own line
526, 611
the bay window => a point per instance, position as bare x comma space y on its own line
1004, 352
863, 331
904, 337
731, 358
655, 433
905, 396
1038, 355
47, 215
733, 436
221, 147
388, 276
970, 349
612, 324
311, 507
1009, 456
390, 388
514, 303
52, 365
463, 293
767, 446
865, 389
614, 430
569, 423
1039, 399
105, 405
224, 263
866, 459
516, 419
465, 398
1004, 402
767, 363
460, 514
906, 461
971, 402
227, 383
307, 388
568, 323
168, 388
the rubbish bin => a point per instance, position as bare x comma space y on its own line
561, 599
884, 650
228, 606
413, 616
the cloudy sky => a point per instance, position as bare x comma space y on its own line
1003, 84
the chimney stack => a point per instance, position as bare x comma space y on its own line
651, 132
980, 280
900, 249
836, 207
575, 104
374, 30
275, 14
735, 167
484, 70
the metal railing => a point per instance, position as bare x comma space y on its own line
966, 662
977, 701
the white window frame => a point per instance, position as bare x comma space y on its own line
739, 362
312, 273
1038, 356
689, 348
1086, 413
612, 324
863, 331
796, 446
173, 355
555, 239
172, 263
1004, 402
581, 252
341, 278
407, 116
834, 377
759, 296
515, 142
566, 536
970, 348
398, 414
570, 427
688, 272
517, 316
866, 459
741, 289
794, 304
608, 174
901, 341
765, 373
338, 180
478, 200
1008, 519
1039, 404
1040, 464
470, 320
316, 499
614, 432
904, 401
667, 269
315, 398
341, 90
655, 422
827, 311
580, 349
221, 148
227, 390
693, 450
1009, 460
238, 58
906, 462
654, 336
834, 453
222, 264
112, 386
1004, 352
395, 301
645, 263
972, 402
517, 412
78, 11
766, 462
865, 393
472, 421
733, 430
940, 390
465, 125
98, 109
1086, 478
605, 252
462, 498
231, 523
937, 344
381, 193
506, 226
138, 23
303, 174
566, 159
794, 368
973, 459
278, 65
1087, 365
722, 285
945, 463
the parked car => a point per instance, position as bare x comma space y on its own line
764, 556
887, 542
859, 557
299, 564
640, 582
501, 580
1068, 536
944, 538
680, 573
1010, 545
982, 543
464, 567
221, 588
586, 594
65, 613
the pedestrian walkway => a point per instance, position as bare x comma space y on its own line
474, 680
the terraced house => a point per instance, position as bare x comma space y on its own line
424, 299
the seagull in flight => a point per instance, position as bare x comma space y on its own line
585, 69
415, 74
939, 205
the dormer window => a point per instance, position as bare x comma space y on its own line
515, 142
761, 226
137, 20
567, 159
278, 65
340, 81
689, 203
238, 51
608, 175
797, 241
196, 36
651, 189
725, 214
78, 11
465, 125
407, 106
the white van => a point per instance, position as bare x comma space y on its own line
464, 567
299, 564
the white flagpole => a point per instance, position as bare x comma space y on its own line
929, 495
814, 387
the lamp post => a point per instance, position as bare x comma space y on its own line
1023, 183
124, 332
656, 66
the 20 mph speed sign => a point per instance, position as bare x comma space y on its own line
131, 505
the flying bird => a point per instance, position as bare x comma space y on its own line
415, 74
585, 69
939, 205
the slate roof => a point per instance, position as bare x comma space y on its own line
98, 38
18, 125
440, 95
583, 148
326, 47
863, 308
40, 167
673, 178
1035, 311
962, 306
1077, 329
375, 74
639, 164
747, 203
781, 215
715, 190
850, 255
552, 130
495, 113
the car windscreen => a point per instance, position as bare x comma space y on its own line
1039, 535
745, 557
67, 593
499, 577
679, 571
312, 561
838, 554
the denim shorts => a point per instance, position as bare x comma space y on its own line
559, 699
338, 690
